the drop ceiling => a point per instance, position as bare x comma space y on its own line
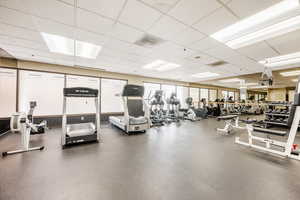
184, 27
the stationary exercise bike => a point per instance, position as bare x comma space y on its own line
22, 123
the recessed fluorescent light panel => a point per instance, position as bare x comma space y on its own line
287, 59
64, 45
291, 73
160, 65
232, 80
254, 20
281, 28
205, 75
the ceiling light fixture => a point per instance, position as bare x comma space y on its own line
295, 80
259, 18
65, 45
291, 73
281, 60
205, 75
232, 80
280, 28
160, 65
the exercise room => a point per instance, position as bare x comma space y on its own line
149, 99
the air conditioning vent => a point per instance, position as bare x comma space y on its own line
218, 63
149, 41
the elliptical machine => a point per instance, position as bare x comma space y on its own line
173, 108
22, 123
157, 114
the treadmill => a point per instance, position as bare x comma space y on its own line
136, 116
81, 132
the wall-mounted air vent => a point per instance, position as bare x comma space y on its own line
218, 63
149, 41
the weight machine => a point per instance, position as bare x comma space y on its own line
231, 122
286, 149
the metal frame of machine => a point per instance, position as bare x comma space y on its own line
269, 144
231, 122
130, 123
23, 124
82, 132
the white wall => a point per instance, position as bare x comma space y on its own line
82, 105
44, 88
8, 91
111, 100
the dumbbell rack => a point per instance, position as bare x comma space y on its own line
277, 118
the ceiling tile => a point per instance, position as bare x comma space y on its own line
18, 5
162, 5
64, 13
119, 46
126, 33
204, 44
286, 44
187, 36
16, 18
204, 59
225, 1
258, 51
216, 21
69, 1
166, 28
108, 8
221, 52
22, 33
190, 11
8, 40
132, 12
245, 8
92, 22
90, 37
48, 26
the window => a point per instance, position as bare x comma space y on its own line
194, 93
81, 105
182, 94
291, 94
168, 90
204, 94
212, 95
150, 89
231, 94
44, 88
256, 97
236, 96
8, 89
111, 99
224, 95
